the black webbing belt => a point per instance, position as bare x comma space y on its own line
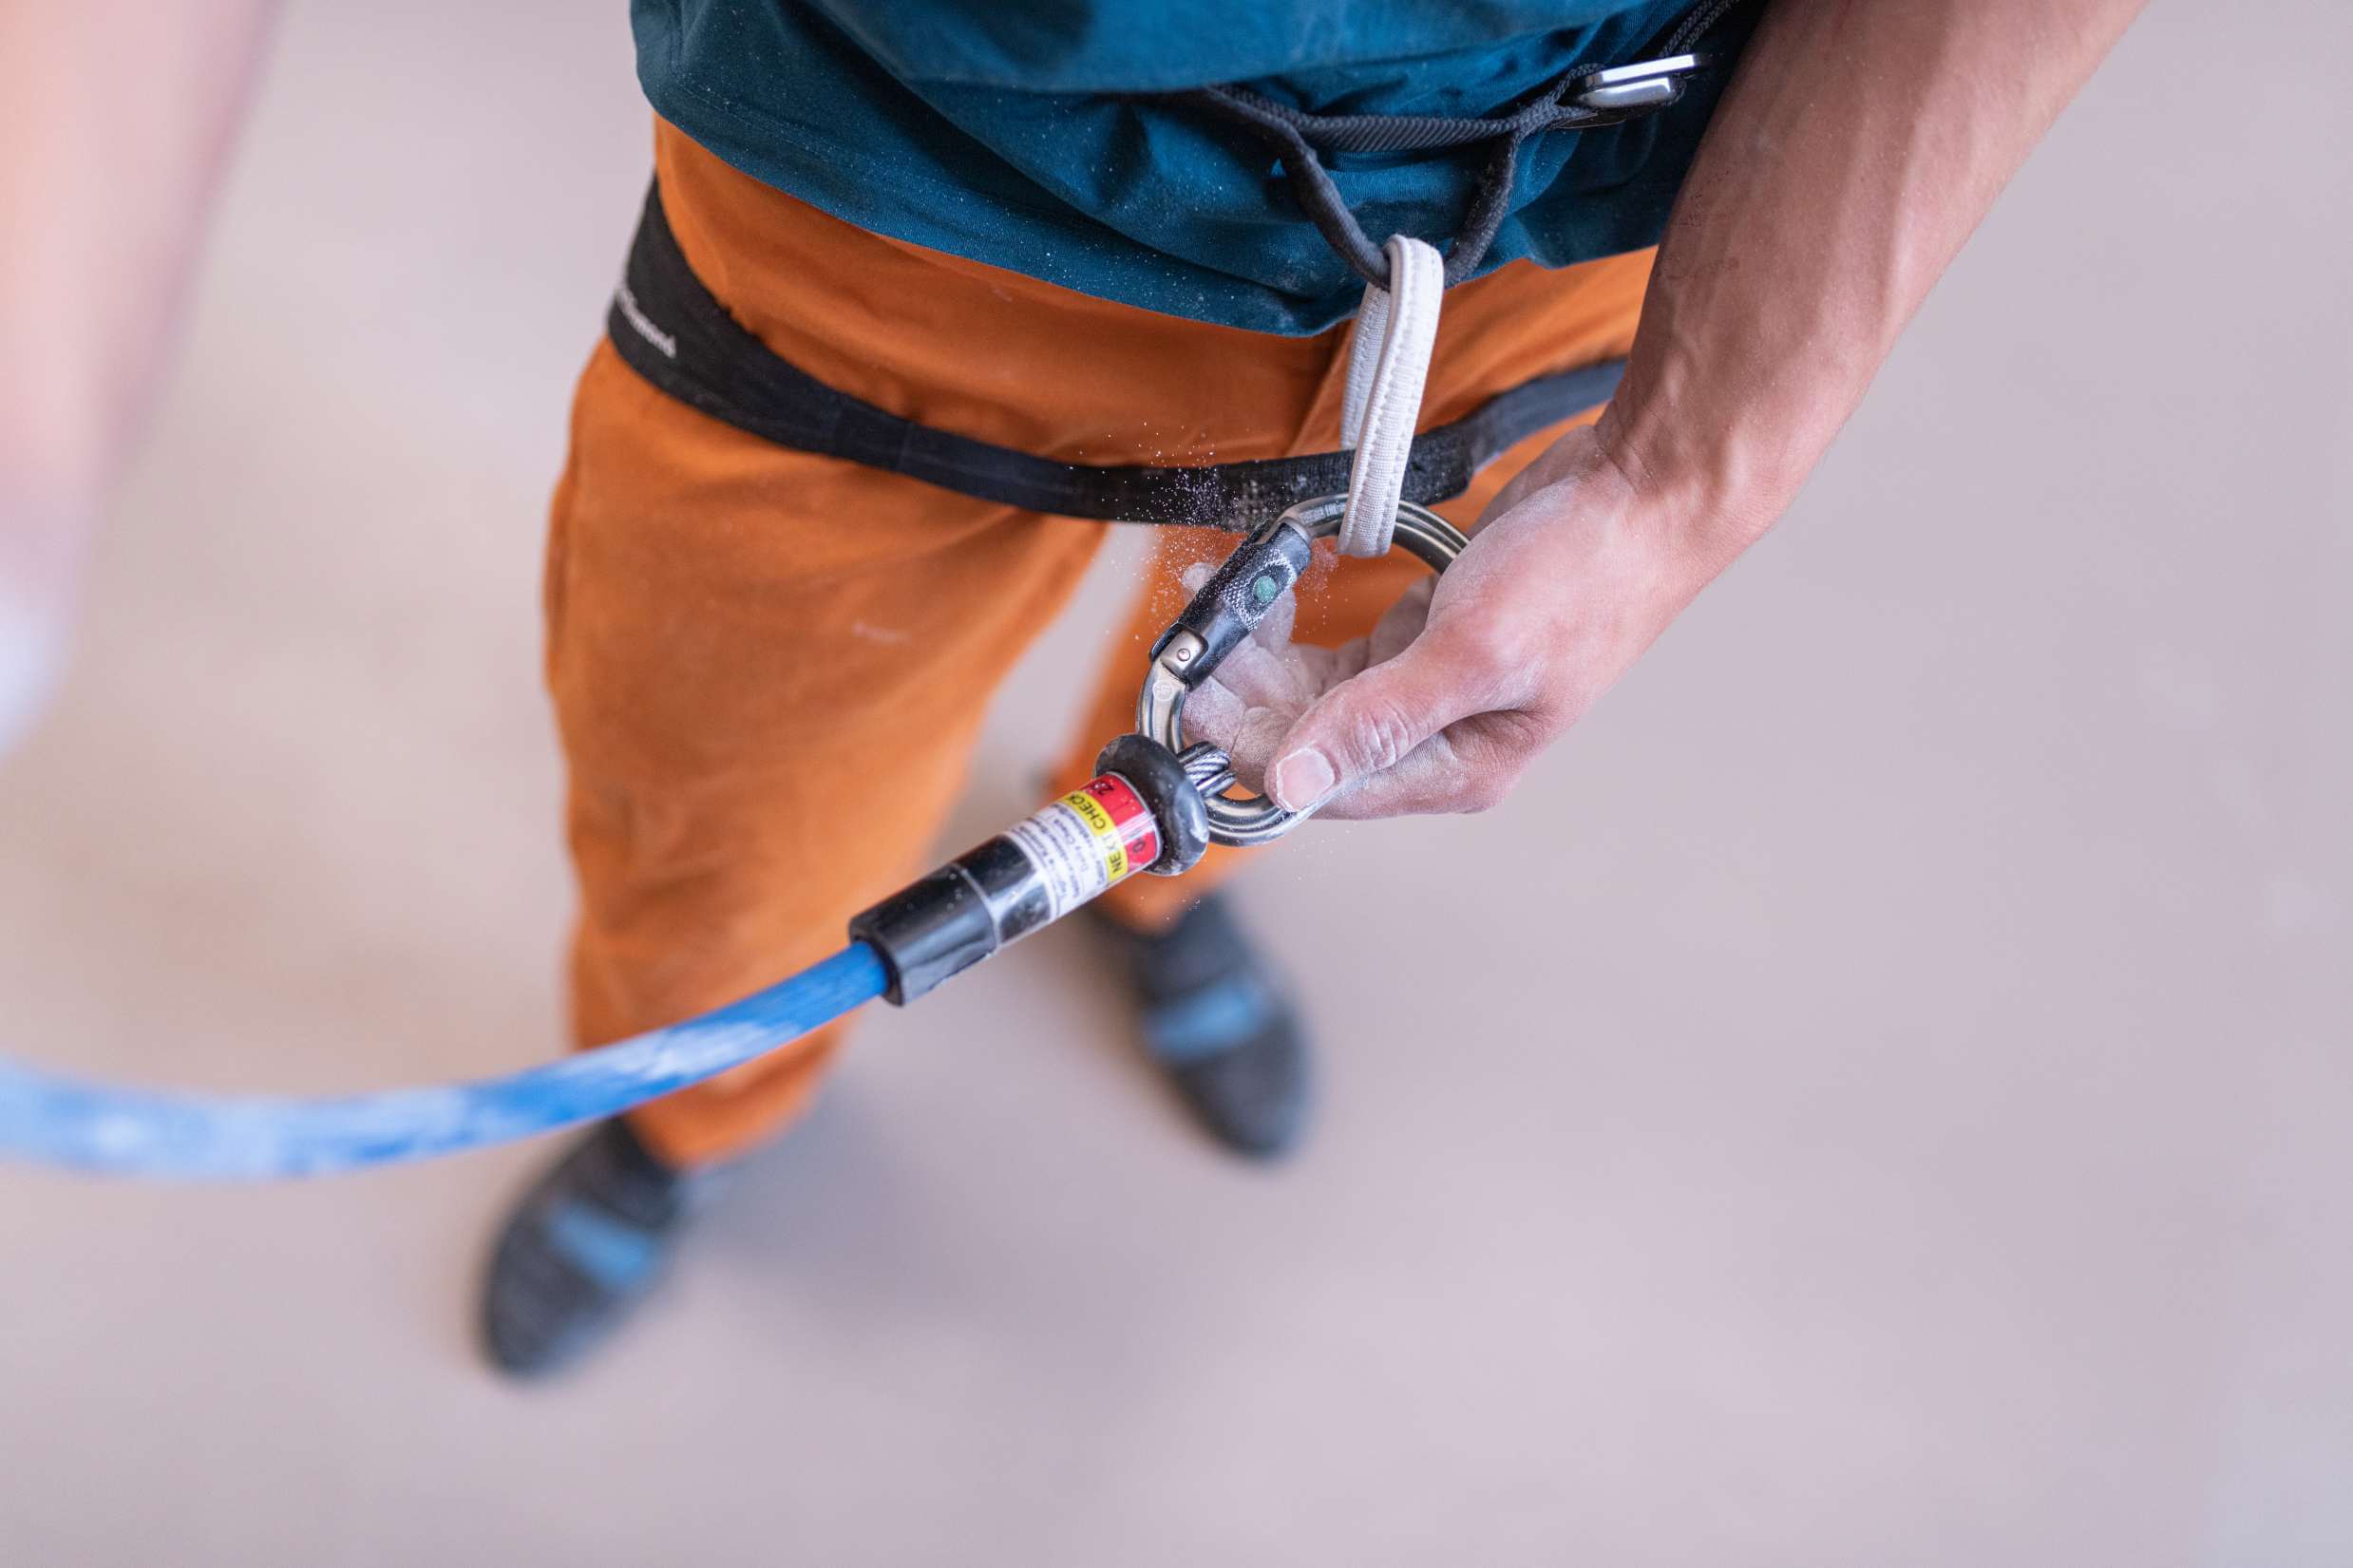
676, 333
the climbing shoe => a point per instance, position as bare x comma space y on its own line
584, 1246
1221, 1027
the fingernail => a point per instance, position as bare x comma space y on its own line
1302, 779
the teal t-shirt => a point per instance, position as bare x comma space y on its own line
997, 130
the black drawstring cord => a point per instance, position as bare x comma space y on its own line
1300, 140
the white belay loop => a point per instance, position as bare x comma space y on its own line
1388, 363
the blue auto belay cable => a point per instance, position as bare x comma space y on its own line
1154, 806
90, 1127
1145, 812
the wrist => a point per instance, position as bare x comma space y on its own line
1714, 482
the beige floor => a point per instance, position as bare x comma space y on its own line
1880, 1094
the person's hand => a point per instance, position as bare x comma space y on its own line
1570, 574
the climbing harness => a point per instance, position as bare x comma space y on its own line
670, 328
1155, 805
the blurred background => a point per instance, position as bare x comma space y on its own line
1879, 1093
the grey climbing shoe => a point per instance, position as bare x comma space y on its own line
1220, 1026
585, 1244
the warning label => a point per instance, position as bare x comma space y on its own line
1088, 840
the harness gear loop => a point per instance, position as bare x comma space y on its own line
1228, 607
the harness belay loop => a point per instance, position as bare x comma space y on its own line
1388, 367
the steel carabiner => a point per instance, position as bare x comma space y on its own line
1229, 607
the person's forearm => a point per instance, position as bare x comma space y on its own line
1854, 151
115, 117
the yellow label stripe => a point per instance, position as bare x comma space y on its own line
1105, 831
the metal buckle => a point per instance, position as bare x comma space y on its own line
1633, 89
1229, 606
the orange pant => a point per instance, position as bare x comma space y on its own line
744, 641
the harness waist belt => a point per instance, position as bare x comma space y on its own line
674, 332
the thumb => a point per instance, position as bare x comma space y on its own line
1368, 723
